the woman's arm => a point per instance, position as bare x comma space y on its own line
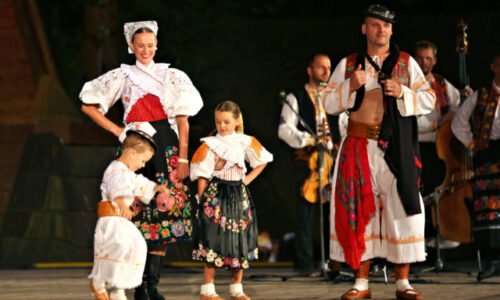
100, 119
254, 173
183, 166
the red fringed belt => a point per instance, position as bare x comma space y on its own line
354, 200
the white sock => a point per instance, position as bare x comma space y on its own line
236, 289
208, 289
361, 284
403, 284
117, 294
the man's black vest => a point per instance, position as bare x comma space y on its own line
307, 112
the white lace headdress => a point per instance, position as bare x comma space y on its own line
131, 27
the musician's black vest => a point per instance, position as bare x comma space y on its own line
307, 112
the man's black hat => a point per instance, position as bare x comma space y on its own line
380, 12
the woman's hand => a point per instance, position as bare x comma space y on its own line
93, 112
118, 131
182, 171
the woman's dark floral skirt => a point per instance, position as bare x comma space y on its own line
166, 220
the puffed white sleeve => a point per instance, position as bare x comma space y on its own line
336, 96
287, 130
186, 98
202, 163
256, 154
143, 188
119, 182
104, 91
419, 98
460, 125
453, 95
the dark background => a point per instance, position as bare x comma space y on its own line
249, 50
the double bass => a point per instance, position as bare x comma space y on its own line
455, 193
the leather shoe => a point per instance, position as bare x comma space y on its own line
357, 294
491, 269
242, 297
214, 297
100, 294
409, 294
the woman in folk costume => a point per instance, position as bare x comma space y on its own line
227, 225
119, 248
164, 97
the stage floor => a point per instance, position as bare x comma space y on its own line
184, 283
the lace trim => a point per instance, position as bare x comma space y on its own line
224, 147
148, 82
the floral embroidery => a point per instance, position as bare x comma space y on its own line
210, 256
486, 196
211, 210
178, 227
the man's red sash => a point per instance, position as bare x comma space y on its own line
354, 200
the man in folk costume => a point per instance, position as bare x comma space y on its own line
447, 102
477, 125
377, 209
304, 101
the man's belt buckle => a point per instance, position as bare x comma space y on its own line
372, 132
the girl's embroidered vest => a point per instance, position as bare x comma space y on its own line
439, 85
400, 73
483, 116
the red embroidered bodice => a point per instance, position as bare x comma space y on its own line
147, 109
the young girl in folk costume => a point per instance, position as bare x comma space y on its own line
165, 98
119, 248
227, 225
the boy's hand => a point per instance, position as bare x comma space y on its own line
126, 213
124, 209
162, 189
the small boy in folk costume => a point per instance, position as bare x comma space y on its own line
227, 225
119, 248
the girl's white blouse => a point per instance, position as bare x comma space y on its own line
176, 92
119, 181
234, 149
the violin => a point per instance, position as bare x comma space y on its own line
310, 186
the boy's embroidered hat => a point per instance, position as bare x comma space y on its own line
380, 12
144, 129
131, 27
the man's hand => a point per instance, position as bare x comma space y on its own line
391, 88
358, 79
325, 139
466, 92
448, 117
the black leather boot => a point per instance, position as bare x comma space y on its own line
140, 292
492, 268
152, 272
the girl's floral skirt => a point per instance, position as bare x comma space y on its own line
166, 219
227, 226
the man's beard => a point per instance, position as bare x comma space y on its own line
318, 80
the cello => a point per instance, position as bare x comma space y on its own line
455, 193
